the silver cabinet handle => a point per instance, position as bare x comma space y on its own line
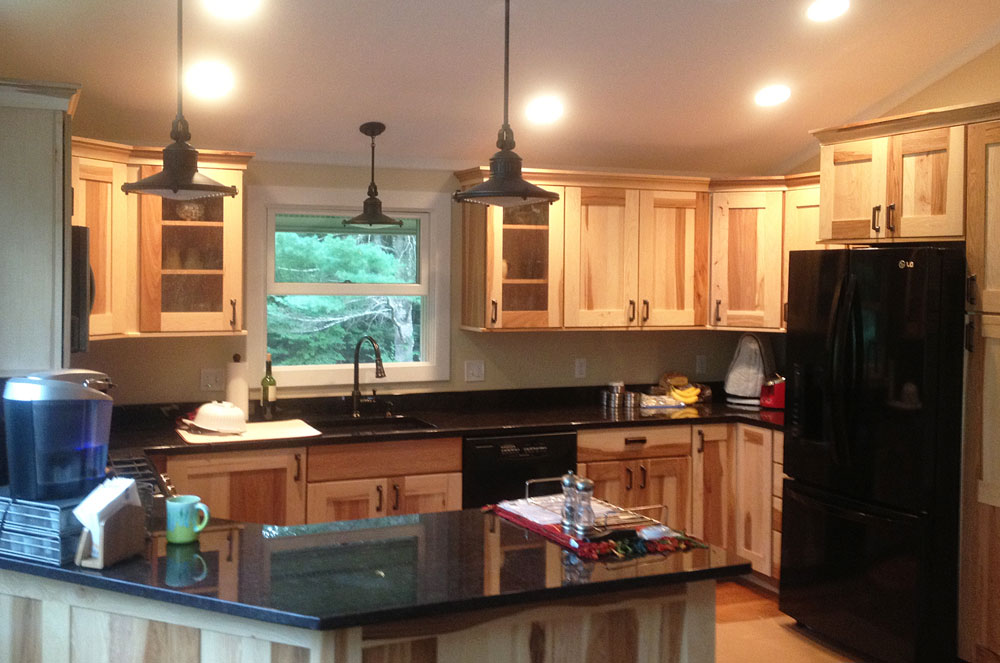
875, 212
889, 209
493, 309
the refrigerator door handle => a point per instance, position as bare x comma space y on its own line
839, 360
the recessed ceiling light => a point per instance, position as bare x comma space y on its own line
232, 9
209, 79
827, 10
544, 110
772, 95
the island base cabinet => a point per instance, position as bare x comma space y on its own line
46, 620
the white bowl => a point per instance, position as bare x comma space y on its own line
220, 417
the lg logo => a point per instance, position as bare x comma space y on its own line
906, 264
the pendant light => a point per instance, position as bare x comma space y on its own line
371, 214
505, 186
180, 179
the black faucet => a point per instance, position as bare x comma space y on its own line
379, 371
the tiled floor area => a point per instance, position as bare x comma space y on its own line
750, 629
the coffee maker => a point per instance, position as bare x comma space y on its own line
57, 429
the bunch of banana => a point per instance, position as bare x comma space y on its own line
687, 394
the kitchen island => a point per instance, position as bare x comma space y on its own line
454, 586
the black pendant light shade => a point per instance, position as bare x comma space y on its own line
371, 213
505, 186
180, 179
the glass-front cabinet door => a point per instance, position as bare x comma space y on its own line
191, 260
525, 281
512, 265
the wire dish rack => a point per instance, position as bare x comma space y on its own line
608, 518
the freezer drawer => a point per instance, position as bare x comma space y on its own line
861, 576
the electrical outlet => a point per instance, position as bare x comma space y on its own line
700, 364
580, 367
212, 379
475, 370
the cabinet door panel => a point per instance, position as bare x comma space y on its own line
983, 216
673, 282
753, 496
853, 177
610, 482
714, 491
926, 183
602, 227
746, 259
666, 482
425, 493
347, 500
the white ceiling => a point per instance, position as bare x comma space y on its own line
663, 85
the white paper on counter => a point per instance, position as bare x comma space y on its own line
102, 502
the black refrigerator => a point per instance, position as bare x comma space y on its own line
870, 524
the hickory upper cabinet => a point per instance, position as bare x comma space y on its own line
511, 263
899, 186
99, 170
635, 258
746, 258
983, 217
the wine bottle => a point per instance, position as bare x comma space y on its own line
268, 392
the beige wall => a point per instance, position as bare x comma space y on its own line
165, 370
976, 82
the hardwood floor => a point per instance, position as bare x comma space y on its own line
751, 629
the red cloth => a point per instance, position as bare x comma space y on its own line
595, 550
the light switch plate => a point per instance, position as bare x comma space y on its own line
700, 364
580, 367
475, 370
212, 379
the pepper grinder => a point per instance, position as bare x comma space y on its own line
583, 522
569, 501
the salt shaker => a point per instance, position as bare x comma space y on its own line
569, 501
583, 523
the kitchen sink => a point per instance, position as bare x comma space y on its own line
369, 425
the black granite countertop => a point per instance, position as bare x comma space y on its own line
352, 573
151, 428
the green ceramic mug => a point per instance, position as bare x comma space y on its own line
182, 523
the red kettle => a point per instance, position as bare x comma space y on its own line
772, 393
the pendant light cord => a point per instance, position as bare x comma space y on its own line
505, 137
179, 132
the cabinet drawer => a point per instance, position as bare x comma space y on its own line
367, 459
623, 443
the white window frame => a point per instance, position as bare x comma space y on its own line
433, 208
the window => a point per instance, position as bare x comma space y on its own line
328, 285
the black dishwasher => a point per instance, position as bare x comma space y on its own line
496, 468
